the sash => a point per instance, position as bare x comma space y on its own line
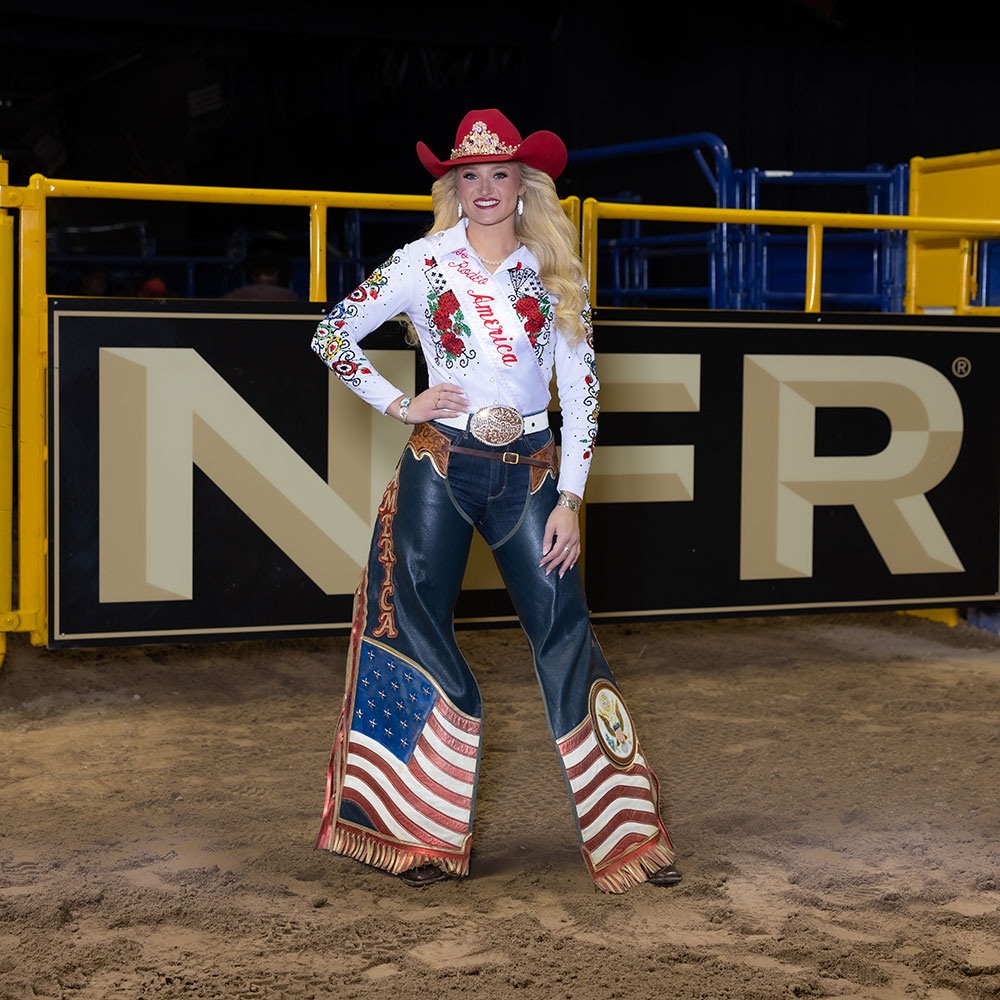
496, 327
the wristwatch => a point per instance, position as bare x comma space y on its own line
565, 500
404, 407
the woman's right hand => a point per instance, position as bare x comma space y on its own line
442, 400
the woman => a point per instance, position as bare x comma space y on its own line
496, 295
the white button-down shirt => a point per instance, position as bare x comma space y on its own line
442, 286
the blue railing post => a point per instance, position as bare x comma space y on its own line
719, 175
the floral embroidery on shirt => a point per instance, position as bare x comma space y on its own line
378, 279
591, 432
530, 311
588, 441
337, 350
588, 358
444, 315
591, 382
531, 302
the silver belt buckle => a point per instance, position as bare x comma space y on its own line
496, 425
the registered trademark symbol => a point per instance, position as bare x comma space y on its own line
961, 367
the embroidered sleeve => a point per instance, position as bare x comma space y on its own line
383, 294
576, 378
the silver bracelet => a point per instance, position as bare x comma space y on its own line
404, 408
565, 500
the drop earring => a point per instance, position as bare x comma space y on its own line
520, 205
460, 210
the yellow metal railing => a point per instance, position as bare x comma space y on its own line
942, 272
316, 201
813, 222
32, 453
6, 417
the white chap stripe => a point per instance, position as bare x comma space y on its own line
614, 780
603, 850
585, 777
619, 805
394, 828
442, 805
575, 756
432, 771
377, 780
459, 760
411, 811
426, 795
472, 739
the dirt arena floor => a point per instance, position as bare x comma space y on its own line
831, 784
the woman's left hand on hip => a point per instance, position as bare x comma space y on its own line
561, 544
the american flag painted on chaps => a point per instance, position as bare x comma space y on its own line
410, 768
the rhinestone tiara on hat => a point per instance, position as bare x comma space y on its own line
480, 141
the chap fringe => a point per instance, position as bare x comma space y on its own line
394, 859
636, 870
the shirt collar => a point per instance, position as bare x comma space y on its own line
456, 238
450, 240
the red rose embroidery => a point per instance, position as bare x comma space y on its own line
345, 369
441, 320
589, 379
452, 344
366, 371
534, 323
586, 454
358, 295
526, 306
448, 302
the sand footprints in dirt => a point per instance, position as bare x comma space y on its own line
19, 872
819, 908
459, 950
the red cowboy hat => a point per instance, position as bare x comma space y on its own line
489, 137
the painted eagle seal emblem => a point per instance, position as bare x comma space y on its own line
612, 724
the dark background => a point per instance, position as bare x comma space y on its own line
335, 97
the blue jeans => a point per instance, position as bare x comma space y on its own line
493, 496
